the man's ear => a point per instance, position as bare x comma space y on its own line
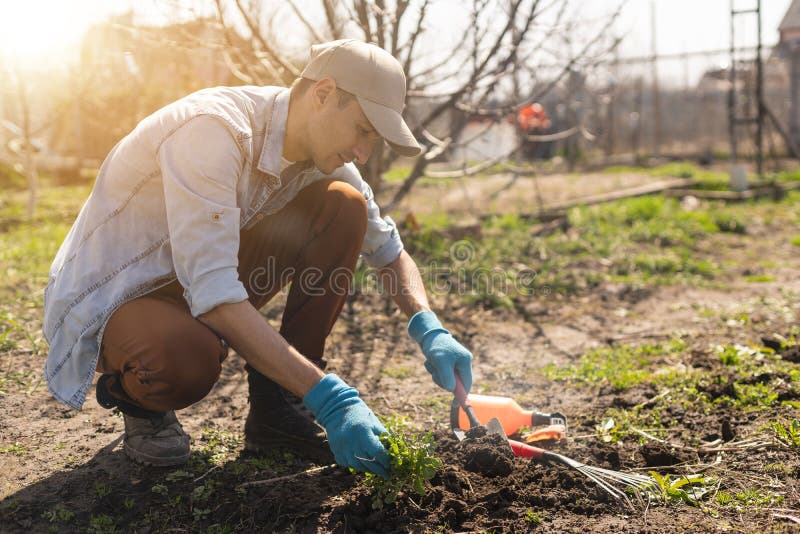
322, 91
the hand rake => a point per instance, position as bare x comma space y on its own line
607, 479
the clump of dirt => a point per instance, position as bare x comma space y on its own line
657, 454
789, 354
792, 354
487, 454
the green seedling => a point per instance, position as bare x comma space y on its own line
102, 524
686, 489
787, 433
59, 514
102, 489
16, 449
218, 445
533, 518
413, 463
750, 497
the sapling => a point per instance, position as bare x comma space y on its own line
413, 463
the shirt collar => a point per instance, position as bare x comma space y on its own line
270, 160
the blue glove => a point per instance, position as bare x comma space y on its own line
443, 354
352, 428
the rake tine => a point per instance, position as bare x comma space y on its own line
617, 494
634, 483
630, 479
606, 477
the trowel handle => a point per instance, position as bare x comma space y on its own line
461, 397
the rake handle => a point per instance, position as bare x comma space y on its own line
524, 450
461, 397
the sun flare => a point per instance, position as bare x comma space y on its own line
34, 30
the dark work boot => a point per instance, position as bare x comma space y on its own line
278, 419
158, 441
151, 438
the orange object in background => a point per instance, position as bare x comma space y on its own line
533, 117
552, 432
510, 414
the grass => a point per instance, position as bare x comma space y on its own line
27, 248
759, 278
621, 367
400, 372
649, 240
756, 378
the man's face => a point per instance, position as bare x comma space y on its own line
339, 134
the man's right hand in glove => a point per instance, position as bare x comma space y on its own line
352, 428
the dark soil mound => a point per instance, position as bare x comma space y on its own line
661, 455
488, 454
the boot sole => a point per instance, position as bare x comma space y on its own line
155, 461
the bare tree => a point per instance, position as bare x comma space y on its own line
22, 144
468, 77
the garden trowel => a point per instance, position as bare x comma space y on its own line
493, 426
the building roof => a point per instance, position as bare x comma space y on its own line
791, 20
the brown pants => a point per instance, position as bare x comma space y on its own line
165, 359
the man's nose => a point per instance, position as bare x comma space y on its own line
362, 150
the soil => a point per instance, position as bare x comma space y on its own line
65, 471
487, 454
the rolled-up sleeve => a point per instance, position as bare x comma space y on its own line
201, 163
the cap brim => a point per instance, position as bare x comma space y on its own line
391, 126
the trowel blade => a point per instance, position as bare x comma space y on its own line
494, 426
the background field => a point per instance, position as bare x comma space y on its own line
663, 328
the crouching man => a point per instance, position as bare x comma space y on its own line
198, 217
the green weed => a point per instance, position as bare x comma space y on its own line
16, 449
778, 468
753, 396
272, 461
534, 518
413, 463
102, 524
179, 474
101, 489
787, 432
218, 445
686, 489
750, 497
58, 514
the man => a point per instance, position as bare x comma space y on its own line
197, 219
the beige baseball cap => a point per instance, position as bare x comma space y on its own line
377, 80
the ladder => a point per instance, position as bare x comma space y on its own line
735, 118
